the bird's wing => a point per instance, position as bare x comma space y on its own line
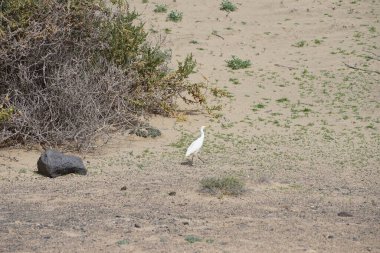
194, 146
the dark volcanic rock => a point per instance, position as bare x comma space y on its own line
53, 164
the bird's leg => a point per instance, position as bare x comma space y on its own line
192, 160
200, 158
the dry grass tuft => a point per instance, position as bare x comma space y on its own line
228, 185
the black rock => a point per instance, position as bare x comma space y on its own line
53, 164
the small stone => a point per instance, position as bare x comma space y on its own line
344, 214
137, 226
330, 237
172, 193
185, 223
124, 188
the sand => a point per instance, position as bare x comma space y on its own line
301, 130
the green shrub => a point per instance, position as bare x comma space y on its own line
301, 43
237, 63
175, 16
192, 239
227, 6
6, 114
73, 68
160, 8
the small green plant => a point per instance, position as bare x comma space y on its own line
237, 63
282, 100
6, 113
257, 107
193, 42
228, 185
227, 6
161, 8
122, 242
372, 29
318, 41
192, 239
175, 16
358, 35
301, 43
234, 81
145, 1
370, 126
306, 110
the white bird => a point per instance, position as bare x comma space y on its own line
194, 147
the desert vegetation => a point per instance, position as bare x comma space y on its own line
71, 70
228, 185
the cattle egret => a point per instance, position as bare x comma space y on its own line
194, 148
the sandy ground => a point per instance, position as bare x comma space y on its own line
301, 129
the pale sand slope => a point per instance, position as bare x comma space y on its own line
301, 130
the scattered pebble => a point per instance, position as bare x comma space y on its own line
172, 193
344, 214
124, 188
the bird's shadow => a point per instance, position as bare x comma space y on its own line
187, 162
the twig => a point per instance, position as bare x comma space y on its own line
366, 70
378, 56
217, 35
283, 66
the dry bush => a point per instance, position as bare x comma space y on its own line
72, 68
228, 185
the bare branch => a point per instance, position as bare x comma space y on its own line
365, 70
